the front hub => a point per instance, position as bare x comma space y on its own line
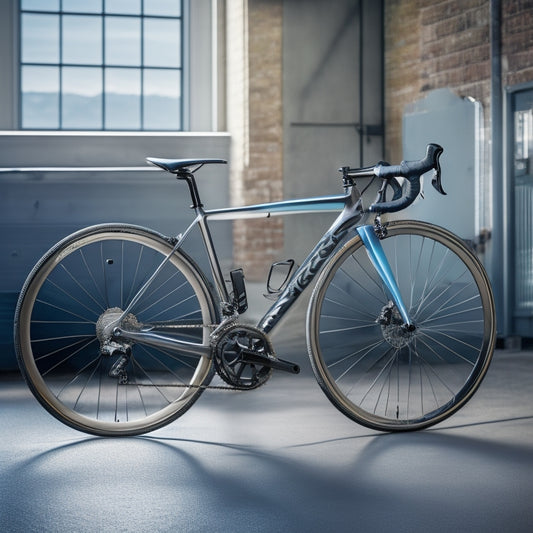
393, 328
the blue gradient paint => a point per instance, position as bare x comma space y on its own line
287, 207
381, 264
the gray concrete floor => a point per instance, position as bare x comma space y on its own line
278, 459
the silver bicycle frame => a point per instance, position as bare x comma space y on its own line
352, 216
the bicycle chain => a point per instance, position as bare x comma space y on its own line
203, 387
184, 386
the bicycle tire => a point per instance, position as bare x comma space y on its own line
92, 272
378, 374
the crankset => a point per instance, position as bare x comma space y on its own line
244, 357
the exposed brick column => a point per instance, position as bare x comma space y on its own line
257, 155
517, 42
431, 45
402, 69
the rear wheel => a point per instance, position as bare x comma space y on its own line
379, 373
83, 377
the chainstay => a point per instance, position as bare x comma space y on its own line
184, 326
214, 327
183, 386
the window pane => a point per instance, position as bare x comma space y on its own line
83, 6
65, 49
170, 8
122, 99
40, 38
82, 98
40, 5
82, 39
132, 7
162, 99
40, 97
162, 42
123, 41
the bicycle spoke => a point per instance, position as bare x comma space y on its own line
381, 374
96, 360
84, 376
72, 297
145, 309
65, 310
361, 286
134, 286
41, 358
366, 351
349, 308
84, 290
91, 275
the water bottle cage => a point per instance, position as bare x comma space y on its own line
278, 276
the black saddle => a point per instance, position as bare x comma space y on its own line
177, 166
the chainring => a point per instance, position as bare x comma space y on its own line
232, 344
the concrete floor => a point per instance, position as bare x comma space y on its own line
280, 458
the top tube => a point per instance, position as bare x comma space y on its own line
285, 207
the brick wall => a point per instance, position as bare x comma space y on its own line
259, 241
402, 68
517, 42
433, 44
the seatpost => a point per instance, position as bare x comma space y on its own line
191, 182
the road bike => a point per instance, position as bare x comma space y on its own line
118, 330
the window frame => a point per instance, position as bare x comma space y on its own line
103, 67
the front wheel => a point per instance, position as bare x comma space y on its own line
377, 372
83, 377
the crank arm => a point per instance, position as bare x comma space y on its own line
160, 341
278, 364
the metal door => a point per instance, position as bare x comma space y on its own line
520, 284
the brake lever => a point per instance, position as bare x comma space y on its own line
435, 179
397, 189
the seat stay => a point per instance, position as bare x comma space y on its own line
179, 242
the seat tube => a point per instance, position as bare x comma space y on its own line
212, 256
381, 264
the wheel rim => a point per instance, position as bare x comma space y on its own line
72, 292
388, 378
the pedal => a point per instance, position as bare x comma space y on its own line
240, 300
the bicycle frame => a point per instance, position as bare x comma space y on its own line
351, 213
352, 216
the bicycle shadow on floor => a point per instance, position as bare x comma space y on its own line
161, 483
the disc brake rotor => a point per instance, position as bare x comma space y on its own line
392, 327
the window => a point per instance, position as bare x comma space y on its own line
101, 64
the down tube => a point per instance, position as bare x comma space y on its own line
312, 265
301, 279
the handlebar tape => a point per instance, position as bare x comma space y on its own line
411, 171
